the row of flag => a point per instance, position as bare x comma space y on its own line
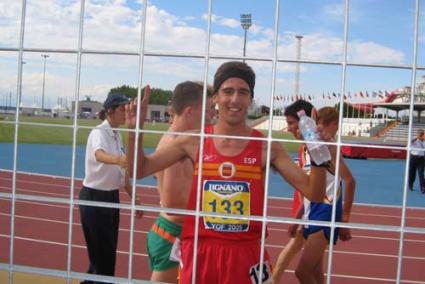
292, 98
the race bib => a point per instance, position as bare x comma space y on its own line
226, 197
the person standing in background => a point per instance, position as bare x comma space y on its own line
105, 174
317, 237
296, 239
417, 161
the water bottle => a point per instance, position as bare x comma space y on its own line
318, 152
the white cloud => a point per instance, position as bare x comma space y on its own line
55, 27
231, 23
334, 11
371, 52
9, 22
32, 89
111, 25
255, 29
318, 46
96, 92
222, 21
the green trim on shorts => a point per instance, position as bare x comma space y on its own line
159, 249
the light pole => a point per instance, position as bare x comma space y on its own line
246, 24
297, 67
45, 56
10, 101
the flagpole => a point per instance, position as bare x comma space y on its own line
347, 107
358, 110
297, 66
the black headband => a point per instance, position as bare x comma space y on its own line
234, 73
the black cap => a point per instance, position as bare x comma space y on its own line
113, 100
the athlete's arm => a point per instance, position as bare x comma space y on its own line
350, 185
350, 188
131, 121
312, 187
181, 147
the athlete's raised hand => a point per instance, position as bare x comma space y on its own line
131, 110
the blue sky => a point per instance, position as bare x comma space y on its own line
380, 32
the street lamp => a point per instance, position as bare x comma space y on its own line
297, 67
45, 56
245, 23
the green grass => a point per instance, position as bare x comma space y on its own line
59, 131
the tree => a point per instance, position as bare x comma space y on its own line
158, 96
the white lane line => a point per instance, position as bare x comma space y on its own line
63, 244
156, 195
269, 207
347, 276
267, 245
362, 253
23, 189
61, 222
66, 223
376, 278
367, 278
153, 216
44, 204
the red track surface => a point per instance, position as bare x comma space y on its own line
41, 236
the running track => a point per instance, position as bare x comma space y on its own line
41, 236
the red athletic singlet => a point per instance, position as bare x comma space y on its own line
232, 185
